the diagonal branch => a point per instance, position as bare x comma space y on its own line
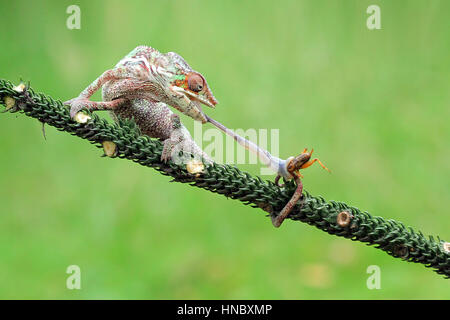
332, 217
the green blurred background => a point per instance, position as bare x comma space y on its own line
373, 104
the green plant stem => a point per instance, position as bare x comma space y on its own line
335, 218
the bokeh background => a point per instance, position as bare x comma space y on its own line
373, 104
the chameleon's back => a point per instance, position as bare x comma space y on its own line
149, 54
136, 65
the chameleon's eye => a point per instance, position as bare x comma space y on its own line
195, 82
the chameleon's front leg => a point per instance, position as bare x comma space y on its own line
180, 140
82, 101
156, 120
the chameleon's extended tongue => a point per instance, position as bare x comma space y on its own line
276, 164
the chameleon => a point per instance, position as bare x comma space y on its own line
146, 82
141, 86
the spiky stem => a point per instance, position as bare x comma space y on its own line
335, 218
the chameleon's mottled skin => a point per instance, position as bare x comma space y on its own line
156, 120
145, 82
141, 86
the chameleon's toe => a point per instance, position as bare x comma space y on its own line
76, 105
166, 153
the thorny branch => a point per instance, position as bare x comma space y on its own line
123, 140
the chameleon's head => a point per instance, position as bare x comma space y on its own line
190, 88
193, 85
